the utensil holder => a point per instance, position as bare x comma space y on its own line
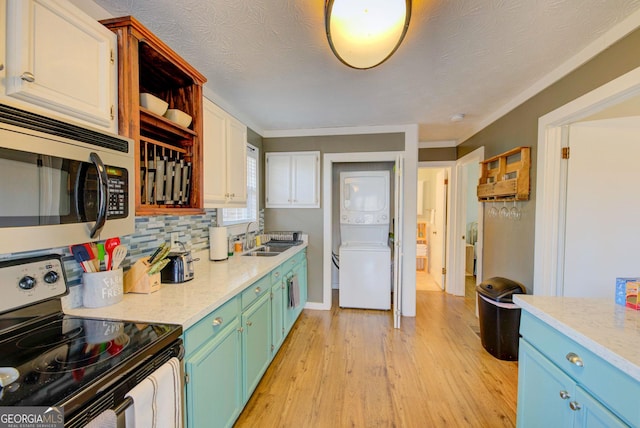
138, 280
102, 288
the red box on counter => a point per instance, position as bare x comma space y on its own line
633, 291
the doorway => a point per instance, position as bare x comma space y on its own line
337, 239
601, 233
431, 228
618, 98
403, 294
467, 228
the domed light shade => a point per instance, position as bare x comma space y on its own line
365, 33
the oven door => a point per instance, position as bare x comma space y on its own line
118, 396
57, 193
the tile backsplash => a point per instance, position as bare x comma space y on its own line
149, 233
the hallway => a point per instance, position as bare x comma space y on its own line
348, 367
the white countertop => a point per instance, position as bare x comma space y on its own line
610, 331
214, 283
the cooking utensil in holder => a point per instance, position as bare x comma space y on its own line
139, 280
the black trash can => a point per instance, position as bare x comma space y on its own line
499, 317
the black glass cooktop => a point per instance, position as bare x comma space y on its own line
67, 354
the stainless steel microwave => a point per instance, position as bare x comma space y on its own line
61, 184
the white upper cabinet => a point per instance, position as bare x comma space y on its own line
224, 158
293, 180
60, 60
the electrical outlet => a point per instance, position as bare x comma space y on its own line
175, 236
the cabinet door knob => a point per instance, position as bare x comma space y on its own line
28, 77
258, 290
217, 321
575, 359
564, 395
1, 67
249, 323
575, 406
240, 329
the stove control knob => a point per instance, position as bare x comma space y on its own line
27, 282
51, 277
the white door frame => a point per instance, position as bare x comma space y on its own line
398, 251
551, 191
448, 166
457, 284
409, 281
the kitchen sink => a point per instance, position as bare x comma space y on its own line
256, 253
267, 251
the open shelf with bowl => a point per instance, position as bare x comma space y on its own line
147, 66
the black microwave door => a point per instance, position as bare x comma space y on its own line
38, 190
35, 189
86, 189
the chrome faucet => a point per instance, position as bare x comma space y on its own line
246, 236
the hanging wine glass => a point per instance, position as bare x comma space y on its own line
504, 211
493, 212
514, 212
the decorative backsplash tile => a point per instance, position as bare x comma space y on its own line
149, 233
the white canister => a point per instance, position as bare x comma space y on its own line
102, 288
218, 243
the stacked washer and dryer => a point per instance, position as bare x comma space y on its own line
364, 253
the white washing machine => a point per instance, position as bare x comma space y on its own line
365, 272
365, 257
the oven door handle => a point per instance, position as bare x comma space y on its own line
103, 194
121, 421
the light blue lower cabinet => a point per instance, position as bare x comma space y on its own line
593, 414
256, 342
277, 315
228, 351
301, 271
554, 391
214, 388
298, 269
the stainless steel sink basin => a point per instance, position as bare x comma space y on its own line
267, 251
257, 253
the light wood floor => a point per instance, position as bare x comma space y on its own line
350, 368
425, 282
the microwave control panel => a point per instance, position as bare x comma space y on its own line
118, 206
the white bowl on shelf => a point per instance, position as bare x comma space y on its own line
153, 103
179, 117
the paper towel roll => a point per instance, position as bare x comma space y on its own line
218, 246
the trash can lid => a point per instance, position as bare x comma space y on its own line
500, 289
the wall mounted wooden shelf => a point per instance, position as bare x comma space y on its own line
505, 177
146, 64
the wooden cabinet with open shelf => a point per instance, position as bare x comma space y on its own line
505, 177
148, 65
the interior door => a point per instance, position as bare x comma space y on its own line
438, 232
602, 206
398, 230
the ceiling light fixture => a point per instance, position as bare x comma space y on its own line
365, 33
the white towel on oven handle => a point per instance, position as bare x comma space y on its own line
106, 419
157, 400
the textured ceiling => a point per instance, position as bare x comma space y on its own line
270, 61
